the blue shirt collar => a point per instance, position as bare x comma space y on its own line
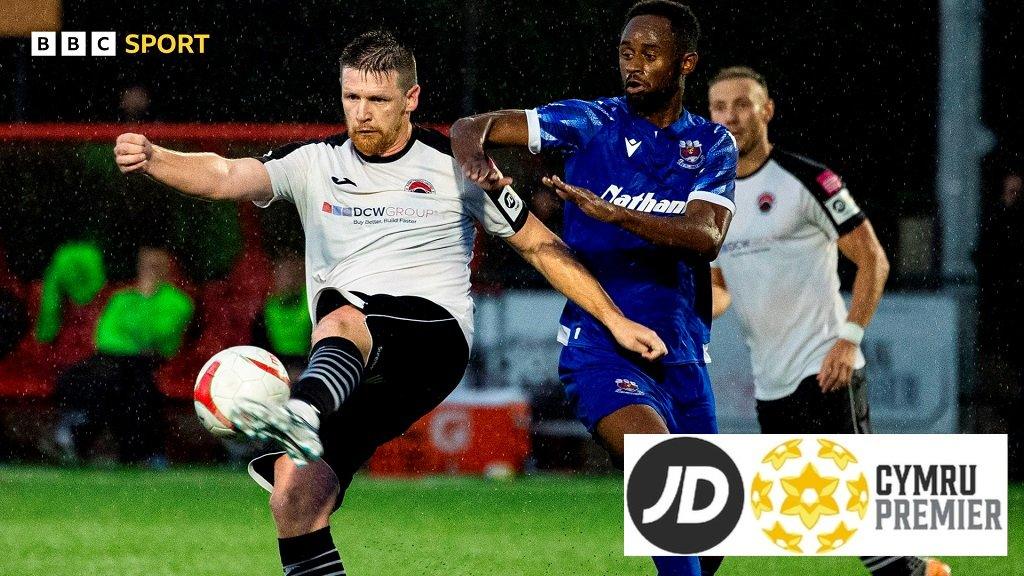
676, 128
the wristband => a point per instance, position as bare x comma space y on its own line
852, 332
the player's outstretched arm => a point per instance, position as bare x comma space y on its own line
551, 257
720, 297
204, 175
700, 230
470, 136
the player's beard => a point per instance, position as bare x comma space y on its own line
745, 145
655, 99
749, 141
376, 143
371, 144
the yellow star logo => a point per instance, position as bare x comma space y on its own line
858, 501
841, 535
783, 539
841, 456
809, 496
759, 499
785, 451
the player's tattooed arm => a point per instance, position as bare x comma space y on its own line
203, 175
546, 252
471, 136
700, 230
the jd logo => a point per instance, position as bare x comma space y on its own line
510, 201
688, 495
685, 495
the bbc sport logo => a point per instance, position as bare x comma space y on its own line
106, 43
811, 495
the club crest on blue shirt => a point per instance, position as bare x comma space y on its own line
690, 153
623, 386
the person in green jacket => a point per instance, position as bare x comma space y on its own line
140, 327
283, 326
74, 277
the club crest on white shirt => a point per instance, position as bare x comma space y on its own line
765, 202
419, 185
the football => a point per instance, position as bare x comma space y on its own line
237, 372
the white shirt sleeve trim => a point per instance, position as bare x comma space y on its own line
276, 177
265, 203
712, 198
533, 126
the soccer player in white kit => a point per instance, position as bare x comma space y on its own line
778, 269
389, 224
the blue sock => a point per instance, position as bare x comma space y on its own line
677, 565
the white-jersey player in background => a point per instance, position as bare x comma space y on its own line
778, 269
389, 226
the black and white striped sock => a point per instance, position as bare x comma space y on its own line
311, 554
335, 369
893, 565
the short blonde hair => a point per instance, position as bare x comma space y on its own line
733, 72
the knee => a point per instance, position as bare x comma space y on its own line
634, 419
347, 322
616, 451
613, 443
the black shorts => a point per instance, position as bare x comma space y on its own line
418, 357
808, 410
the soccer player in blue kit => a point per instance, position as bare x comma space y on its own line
650, 196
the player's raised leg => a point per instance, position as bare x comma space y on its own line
341, 346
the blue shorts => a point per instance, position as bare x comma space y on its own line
599, 382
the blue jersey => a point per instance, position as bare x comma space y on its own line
628, 161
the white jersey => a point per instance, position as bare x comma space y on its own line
401, 225
780, 262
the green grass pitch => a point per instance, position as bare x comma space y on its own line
192, 522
